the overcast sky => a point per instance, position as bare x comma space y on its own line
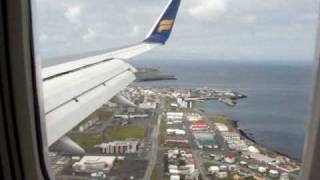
205, 29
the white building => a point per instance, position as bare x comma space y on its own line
253, 149
213, 169
174, 177
221, 175
194, 117
231, 136
262, 158
91, 164
221, 127
148, 105
176, 131
239, 145
120, 147
88, 122
171, 122
273, 173
174, 115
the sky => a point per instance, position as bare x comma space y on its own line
248, 30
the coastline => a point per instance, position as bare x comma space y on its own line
248, 137
152, 74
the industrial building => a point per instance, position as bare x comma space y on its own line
176, 141
90, 164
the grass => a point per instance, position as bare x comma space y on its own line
125, 132
155, 174
86, 140
220, 119
105, 115
163, 128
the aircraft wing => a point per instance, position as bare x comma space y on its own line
74, 90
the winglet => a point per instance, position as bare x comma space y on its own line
161, 30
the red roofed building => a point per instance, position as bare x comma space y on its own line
199, 125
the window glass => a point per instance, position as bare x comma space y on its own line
226, 96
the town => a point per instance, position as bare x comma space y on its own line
159, 134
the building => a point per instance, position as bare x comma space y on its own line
221, 175
213, 169
231, 136
176, 141
176, 132
174, 177
194, 117
90, 164
273, 173
262, 158
221, 127
120, 147
148, 105
171, 122
174, 115
238, 145
253, 149
183, 104
88, 122
199, 126
175, 168
230, 158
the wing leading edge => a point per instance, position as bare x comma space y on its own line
74, 90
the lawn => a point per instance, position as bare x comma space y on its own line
125, 132
86, 140
155, 174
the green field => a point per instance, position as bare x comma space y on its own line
86, 140
218, 118
125, 132
155, 174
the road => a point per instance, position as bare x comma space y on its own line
198, 162
155, 145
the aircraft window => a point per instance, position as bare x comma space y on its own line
225, 96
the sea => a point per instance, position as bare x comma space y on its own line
275, 113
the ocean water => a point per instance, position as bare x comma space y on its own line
277, 109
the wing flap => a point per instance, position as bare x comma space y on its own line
63, 118
61, 89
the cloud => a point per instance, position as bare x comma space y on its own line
308, 17
43, 37
249, 19
89, 35
207, 10
73, 14
207, 28
136, 30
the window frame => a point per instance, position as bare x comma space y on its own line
311, 152
23, 150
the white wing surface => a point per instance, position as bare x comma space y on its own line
74, 90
